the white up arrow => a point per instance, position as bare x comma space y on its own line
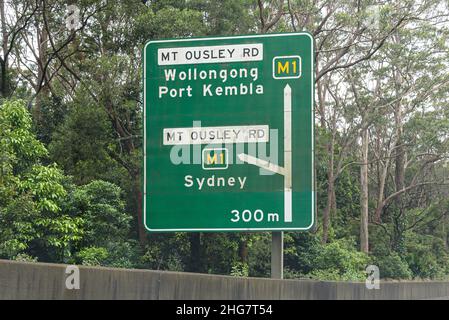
286, 171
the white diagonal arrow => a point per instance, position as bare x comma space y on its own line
261, 163
286, 171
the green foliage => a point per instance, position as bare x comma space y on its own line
259, 257
306, 256
169, 21
18, 145
339, 260
43, 184
166, 252
226, 16
301, 250
240, 269
425, 263
227, 245
100, 205
31, 194
392, 266
116, 255
89, 116
53, 109
18, 228
54, 227
106, 226
123, 254
347, 190
80, 144
92, 256
23, 257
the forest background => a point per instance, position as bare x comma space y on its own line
71, 136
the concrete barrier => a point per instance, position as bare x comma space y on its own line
20, 280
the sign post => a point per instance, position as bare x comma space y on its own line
277, 255
228, 135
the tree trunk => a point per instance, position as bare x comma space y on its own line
330, 193
42, 75
399, 181
195, 262
141, 228
4, 87
243, 249
364, 238
398, 236
446, 238
380, 195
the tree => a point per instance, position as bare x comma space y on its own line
15, 17
106, 225
32, 194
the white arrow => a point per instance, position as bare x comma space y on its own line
288, 154
286, 171
261, 163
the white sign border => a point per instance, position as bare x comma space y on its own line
145, 136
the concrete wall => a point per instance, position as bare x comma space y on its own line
20, 280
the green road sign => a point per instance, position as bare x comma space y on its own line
228, 133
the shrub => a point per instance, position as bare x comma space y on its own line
339, 260
392, 266
92, 256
